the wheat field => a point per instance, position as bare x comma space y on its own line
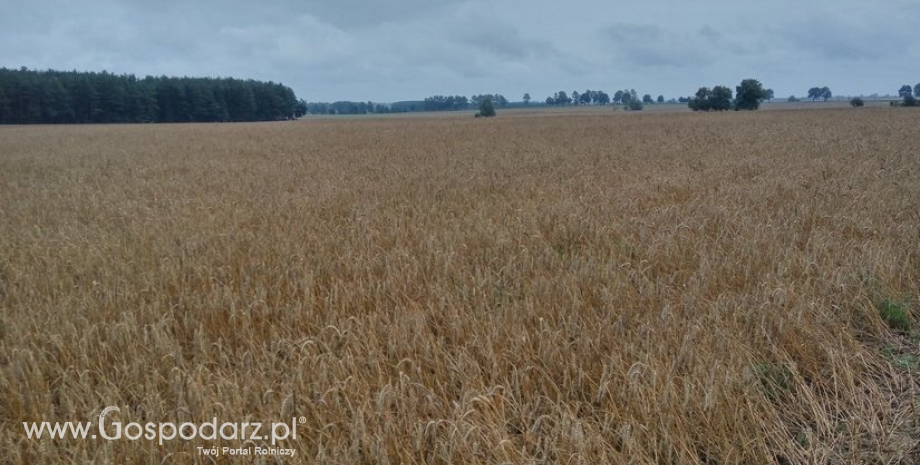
667, 288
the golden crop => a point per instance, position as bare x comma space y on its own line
600, 288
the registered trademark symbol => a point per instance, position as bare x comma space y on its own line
302, 420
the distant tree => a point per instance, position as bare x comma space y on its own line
526, 99
601, 98
647, 99
618, 96
906, 93
768, 95
576, 97
562, 98
550, 101
661, 99
814, 93
633, 103
720, 99
749, 94
856, 102
702, 101
792, 99
587, 97
826, 93
917, 90
487, 108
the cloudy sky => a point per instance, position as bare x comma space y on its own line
390, 50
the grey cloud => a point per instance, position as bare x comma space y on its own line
404, 49
843, 39
502, 40
653, 46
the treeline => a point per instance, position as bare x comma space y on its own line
346, 107
588, 97
459, 102
57, 97
433, 103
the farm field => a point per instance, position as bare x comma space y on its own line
571, 288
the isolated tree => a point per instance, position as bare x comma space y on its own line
907, 94
826, 93
487, 108
749, 94
792, 99
856, 102
647, 99
814, 93
661, 99
526, 99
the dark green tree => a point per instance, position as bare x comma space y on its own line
856, 102
702, 100
601, 98
562, 98
814, 93
661, 99
487, 108
720, 99
906, 93
749, 94
526, 99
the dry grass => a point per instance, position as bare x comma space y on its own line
661, 288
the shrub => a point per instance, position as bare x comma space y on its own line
857, 102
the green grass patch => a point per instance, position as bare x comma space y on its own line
896, 315
900, 359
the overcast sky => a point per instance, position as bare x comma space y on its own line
390, 50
